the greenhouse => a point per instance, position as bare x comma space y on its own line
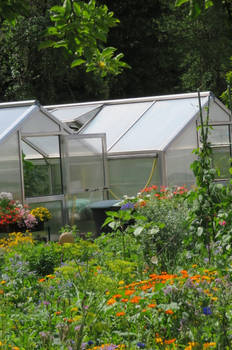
150, 140
30, 162
68, 157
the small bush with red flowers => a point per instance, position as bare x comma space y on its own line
14, 214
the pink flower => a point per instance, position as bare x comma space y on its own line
222, 223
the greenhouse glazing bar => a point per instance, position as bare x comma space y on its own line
21, 167
133, 100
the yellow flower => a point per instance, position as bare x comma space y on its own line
209, 345
74, 309
159, 340
41, 213
3, 282
214, 298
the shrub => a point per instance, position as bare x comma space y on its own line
44, 258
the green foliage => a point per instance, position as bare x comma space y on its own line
195, 6
161, 235
82, 28
209, 204
44, 258
10, 10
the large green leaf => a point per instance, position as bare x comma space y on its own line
77, 62
180, 2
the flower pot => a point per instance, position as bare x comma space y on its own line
38, 227
8, 228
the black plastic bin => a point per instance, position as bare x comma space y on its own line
99, 210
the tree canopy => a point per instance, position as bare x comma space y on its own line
168, 50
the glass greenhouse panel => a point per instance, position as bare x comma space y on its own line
115, 120
129, 176
10, 117
160, 124
10, 167
221, 161
79, 212
49, 145
216, 113
53, 226
219, 135
83, 164
69, 114
178, 168
39, 123
42, 177
29, 152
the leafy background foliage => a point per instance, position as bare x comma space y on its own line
168, 51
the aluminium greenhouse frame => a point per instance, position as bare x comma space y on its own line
94, 123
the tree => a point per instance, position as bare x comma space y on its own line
82, 28
79, 27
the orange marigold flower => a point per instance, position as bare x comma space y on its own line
169, 312
50, 276
135, 299
129, 292
117, 296
111, 301
58, 313
184, 273
121, 313
42, 280
124, 300
170, 341
151, 305
1, 291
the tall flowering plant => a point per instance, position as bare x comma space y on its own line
14, 212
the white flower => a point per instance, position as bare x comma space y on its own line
6, 195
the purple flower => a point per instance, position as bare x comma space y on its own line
77, 328
207, 310
141, 345
90, 342
46, 302
127, 206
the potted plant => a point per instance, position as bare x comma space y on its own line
42, 215
14, 216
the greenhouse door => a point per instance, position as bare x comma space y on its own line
84, 174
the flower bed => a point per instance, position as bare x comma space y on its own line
89, 295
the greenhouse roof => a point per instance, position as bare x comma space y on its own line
32, 119
134, 125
